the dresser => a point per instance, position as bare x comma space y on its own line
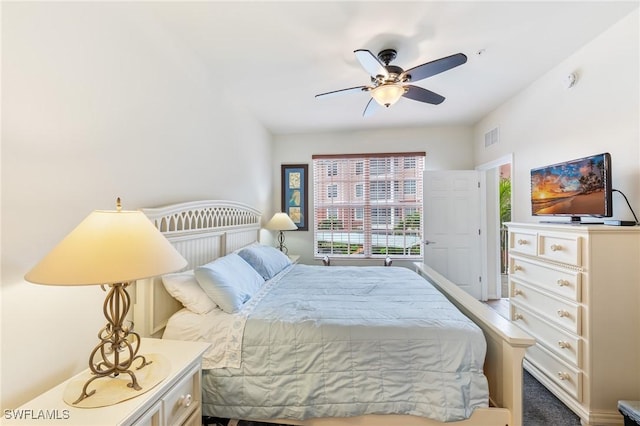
576, 290
174, 401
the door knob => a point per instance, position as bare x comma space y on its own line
427, 242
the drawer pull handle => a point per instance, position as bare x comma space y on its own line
518, 268
185, 400
563, 376
562, 313
563, 344
563, 283
522, 242
517, 316
517, 292
556, 247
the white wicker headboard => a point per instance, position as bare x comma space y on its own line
201, 231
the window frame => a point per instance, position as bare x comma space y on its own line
363, 193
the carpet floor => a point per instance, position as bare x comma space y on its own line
540, 408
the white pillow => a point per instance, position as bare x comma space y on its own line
185, 289
229, 281
266, 260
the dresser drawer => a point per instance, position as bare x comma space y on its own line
560, 248
561, 311
564, 344
523, 242
565, 376
563, 282
182, 401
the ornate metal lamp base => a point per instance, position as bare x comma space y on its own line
281, 245
116, 356
117, 389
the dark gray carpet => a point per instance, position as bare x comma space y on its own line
540, 408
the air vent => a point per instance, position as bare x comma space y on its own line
491, 137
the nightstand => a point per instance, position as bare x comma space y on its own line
174, 401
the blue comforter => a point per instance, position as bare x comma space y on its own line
347, 341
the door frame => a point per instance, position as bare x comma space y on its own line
490, 219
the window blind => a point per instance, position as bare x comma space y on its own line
368, 205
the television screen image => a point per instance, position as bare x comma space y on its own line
573, 188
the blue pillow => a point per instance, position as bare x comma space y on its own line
266, 260
229, 282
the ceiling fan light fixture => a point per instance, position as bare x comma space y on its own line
387, 94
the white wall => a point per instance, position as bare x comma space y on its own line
447, 148
96, 104
547, 123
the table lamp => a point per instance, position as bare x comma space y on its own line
281, 222
111, 248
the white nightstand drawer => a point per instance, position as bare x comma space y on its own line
523, 242
153, 416
560, 248
568, 378
183, 399
562, 312
563, 282
561, 342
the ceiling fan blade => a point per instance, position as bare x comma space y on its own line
371, 63
434, 67
344, 91
371, 108
422, 95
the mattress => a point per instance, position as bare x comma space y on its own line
347, 341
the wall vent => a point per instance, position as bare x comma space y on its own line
491, 137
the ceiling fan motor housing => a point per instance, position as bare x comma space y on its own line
387, 55
393, 74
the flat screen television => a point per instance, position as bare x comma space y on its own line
576, 189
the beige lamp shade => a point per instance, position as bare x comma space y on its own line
108, 247
281, 222
387, 94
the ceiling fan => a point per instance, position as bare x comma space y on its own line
389, 82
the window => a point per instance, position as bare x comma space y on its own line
368, 205
332, 169
409, 163
378, 166
332, 191
409, 187
380, 190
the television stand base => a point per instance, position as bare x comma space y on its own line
572, 222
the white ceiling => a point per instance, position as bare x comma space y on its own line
273, 57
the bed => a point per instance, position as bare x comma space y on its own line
219, 231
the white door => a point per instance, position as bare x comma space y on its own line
452, 227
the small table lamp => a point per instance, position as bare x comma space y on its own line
281, 222
112, 248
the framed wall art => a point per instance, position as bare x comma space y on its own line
295, 201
